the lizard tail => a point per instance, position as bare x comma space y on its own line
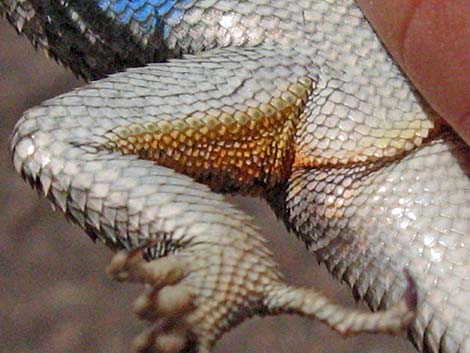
311, 303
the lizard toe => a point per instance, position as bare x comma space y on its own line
167, 337
130, 266
166, 302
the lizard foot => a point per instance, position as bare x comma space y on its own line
166, 301
193, 299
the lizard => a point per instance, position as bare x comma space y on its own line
296, 102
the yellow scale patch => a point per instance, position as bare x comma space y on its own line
376, 144
242, 151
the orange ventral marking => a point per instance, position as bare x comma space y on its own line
245, 151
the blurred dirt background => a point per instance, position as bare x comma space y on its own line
54, 295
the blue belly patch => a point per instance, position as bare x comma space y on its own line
150, 15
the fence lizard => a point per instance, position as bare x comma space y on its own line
295, 102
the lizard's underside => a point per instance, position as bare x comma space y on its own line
293, 101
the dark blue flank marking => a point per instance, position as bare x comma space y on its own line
149, 14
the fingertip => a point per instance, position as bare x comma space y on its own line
436, 55
431, 42
390, 19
